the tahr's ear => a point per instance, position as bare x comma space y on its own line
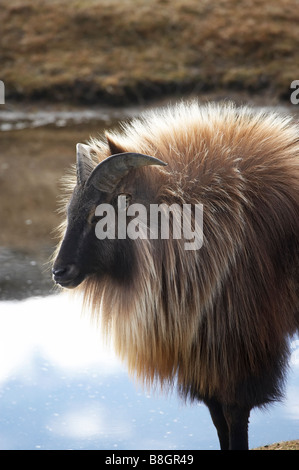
83, 162
114, 146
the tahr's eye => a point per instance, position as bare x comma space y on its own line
92, 218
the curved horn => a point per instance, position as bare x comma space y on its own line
110, 171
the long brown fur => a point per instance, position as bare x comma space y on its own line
210, 319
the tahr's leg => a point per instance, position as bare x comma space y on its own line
219, 421
237, 421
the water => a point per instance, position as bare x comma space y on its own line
24, 274
62, 389
60, 386
18, 120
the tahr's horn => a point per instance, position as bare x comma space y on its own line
110, 171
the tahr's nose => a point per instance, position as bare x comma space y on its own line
64, 275
59, 272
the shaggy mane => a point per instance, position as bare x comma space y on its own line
208, 318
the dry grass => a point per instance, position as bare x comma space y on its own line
285, 445
119, 51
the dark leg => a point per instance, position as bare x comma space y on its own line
219, 421
237, 421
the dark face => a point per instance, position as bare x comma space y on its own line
82, 253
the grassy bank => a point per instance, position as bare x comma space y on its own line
285, 445
120, 51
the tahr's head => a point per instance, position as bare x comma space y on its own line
81, 252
